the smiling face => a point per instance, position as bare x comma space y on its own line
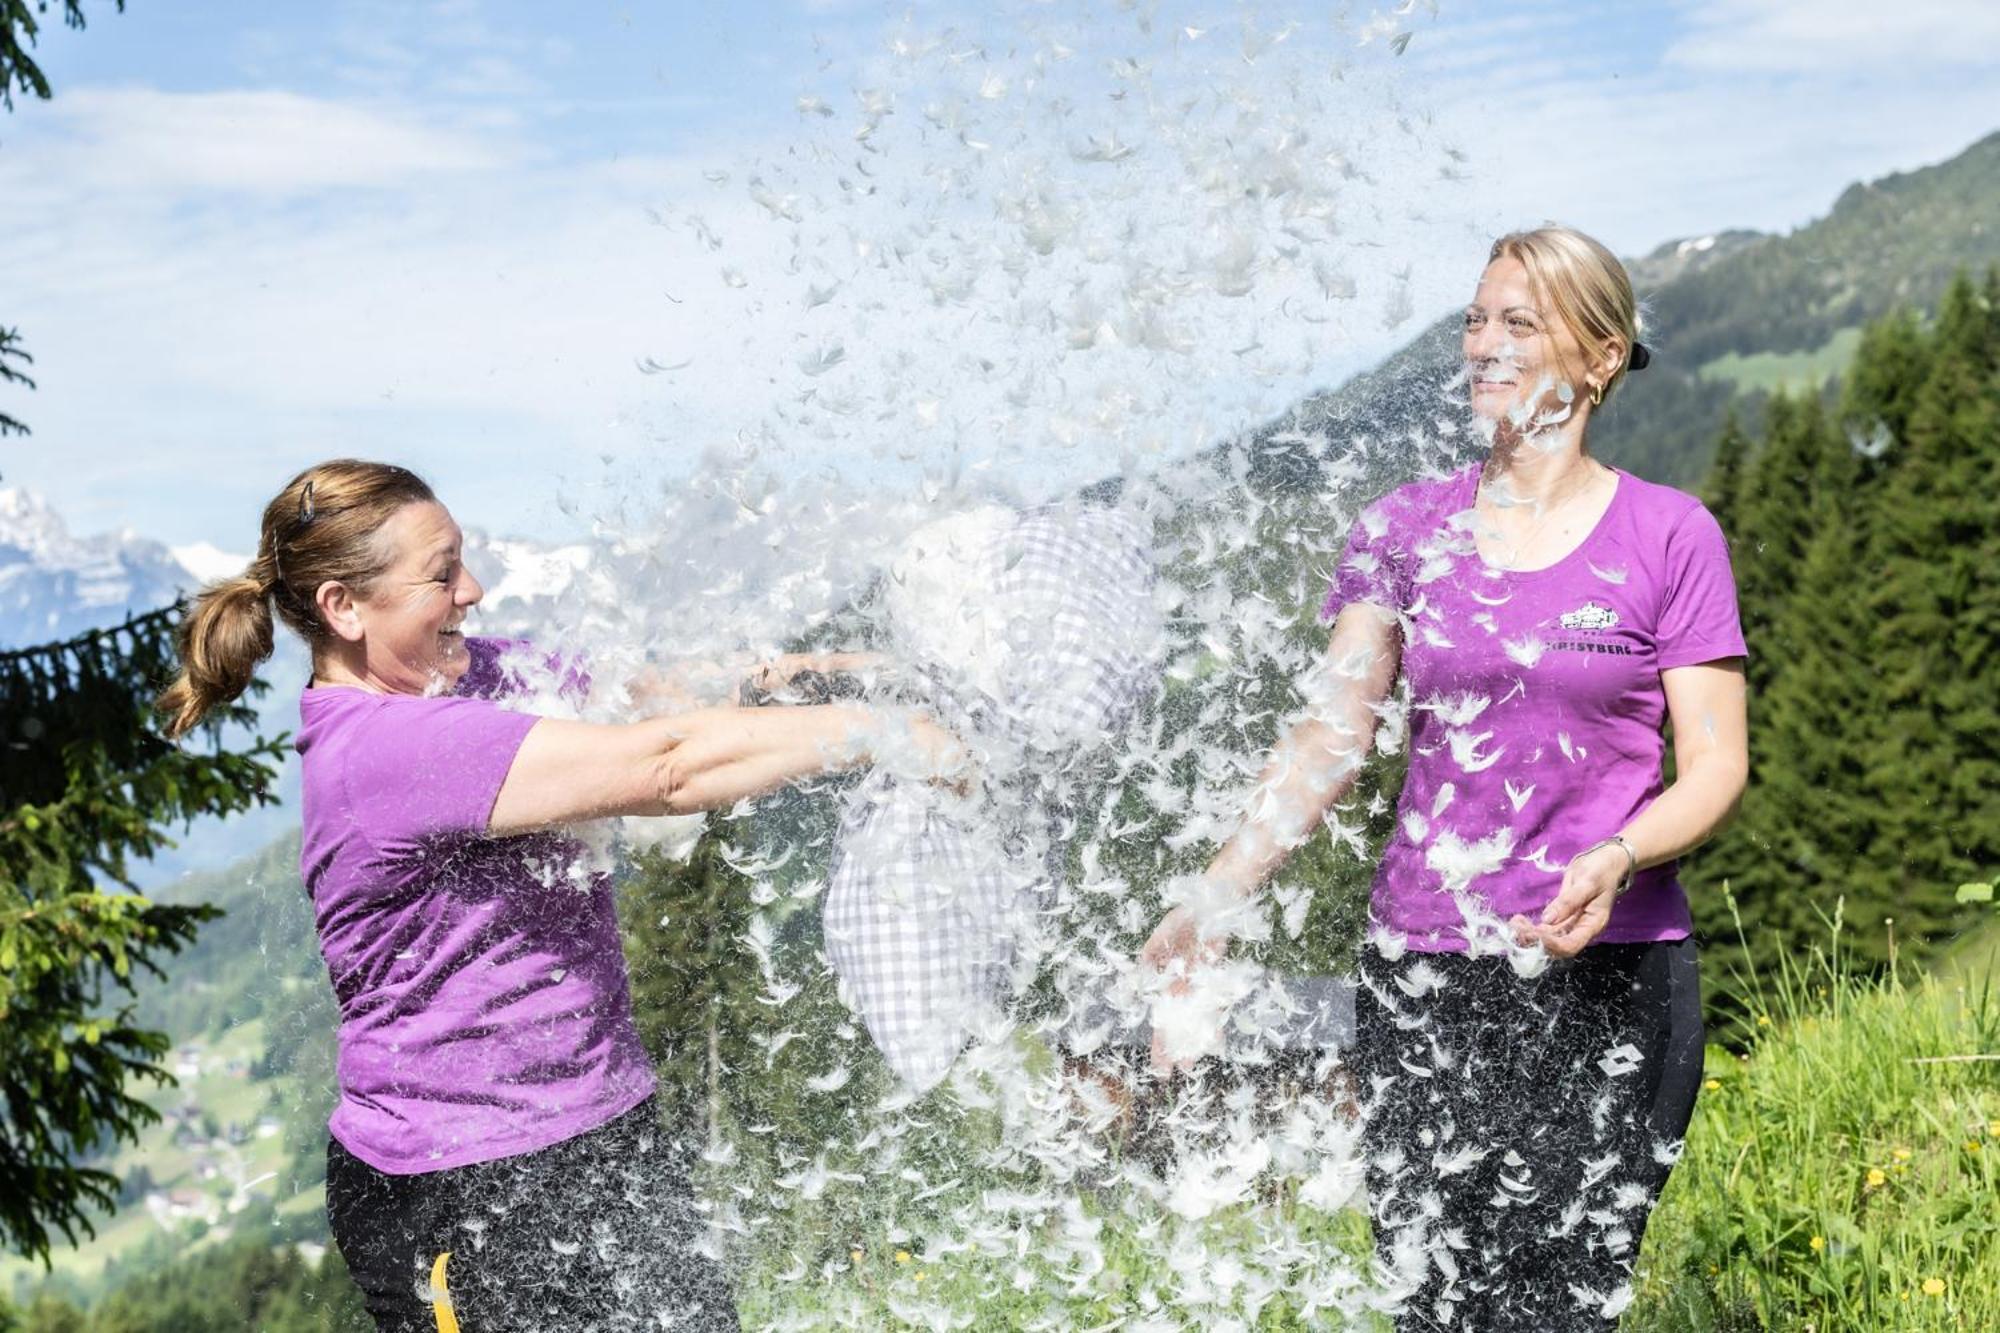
1521, 362
410, 619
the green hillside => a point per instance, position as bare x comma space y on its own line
238, 1150
1888, 243
1789, 309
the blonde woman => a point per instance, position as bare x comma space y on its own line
1529, 1014
495, 1158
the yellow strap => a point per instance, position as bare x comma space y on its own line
441, 1296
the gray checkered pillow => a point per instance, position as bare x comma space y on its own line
931, 891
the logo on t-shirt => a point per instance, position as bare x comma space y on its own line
1586, 622
1590, 616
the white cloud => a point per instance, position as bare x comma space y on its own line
487, 321
1793, 36
1640, 162
479, 324
128, 140
228, 285
1641, 129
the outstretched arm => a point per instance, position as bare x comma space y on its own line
693, 684
776, 675
1312, 767
702, 760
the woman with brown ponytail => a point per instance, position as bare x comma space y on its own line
495, 1161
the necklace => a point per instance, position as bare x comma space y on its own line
1549, 509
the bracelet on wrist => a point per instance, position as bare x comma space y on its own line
1619, 841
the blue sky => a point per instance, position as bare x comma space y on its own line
246, 237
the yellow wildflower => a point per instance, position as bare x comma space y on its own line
902, 1256
1877, 1177
1900, 1154
855, 1255
1763, 1020
1994, 1129
920, 1275
1712, 1084
1818, 1243
1972, 1145
1933, 1286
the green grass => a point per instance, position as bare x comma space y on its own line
1841, 1176
1842, 1171
1093, 1266
1771, 371
1974, 955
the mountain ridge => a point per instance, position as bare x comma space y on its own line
55, 584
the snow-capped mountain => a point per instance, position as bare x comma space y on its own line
54, 584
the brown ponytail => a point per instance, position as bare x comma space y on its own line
323, 527
223, 637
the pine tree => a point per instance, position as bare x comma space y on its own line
52, 1314
1875, 736
87, 787
1794, 511
1723, 491
18, 27
719, 966
1773, 515
1882, 384
11, 350
1936, 769
1811, 816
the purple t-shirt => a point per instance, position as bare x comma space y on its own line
484, 1010
1536, 702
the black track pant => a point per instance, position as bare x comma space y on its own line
590, 1233
1520, 1130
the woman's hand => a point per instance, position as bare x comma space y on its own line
1582, 908
1711, 763
1179, 939
1177, 946
1187, 949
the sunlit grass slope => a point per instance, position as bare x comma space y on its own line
1843, 1172
1842, 1175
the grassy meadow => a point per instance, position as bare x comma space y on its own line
1844, 1165
1841, 1175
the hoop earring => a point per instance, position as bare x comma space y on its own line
1597, 395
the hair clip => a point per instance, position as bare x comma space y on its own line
1640, 357
306, 504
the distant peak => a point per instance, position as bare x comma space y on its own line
18, 501
208, 562
1689, 254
